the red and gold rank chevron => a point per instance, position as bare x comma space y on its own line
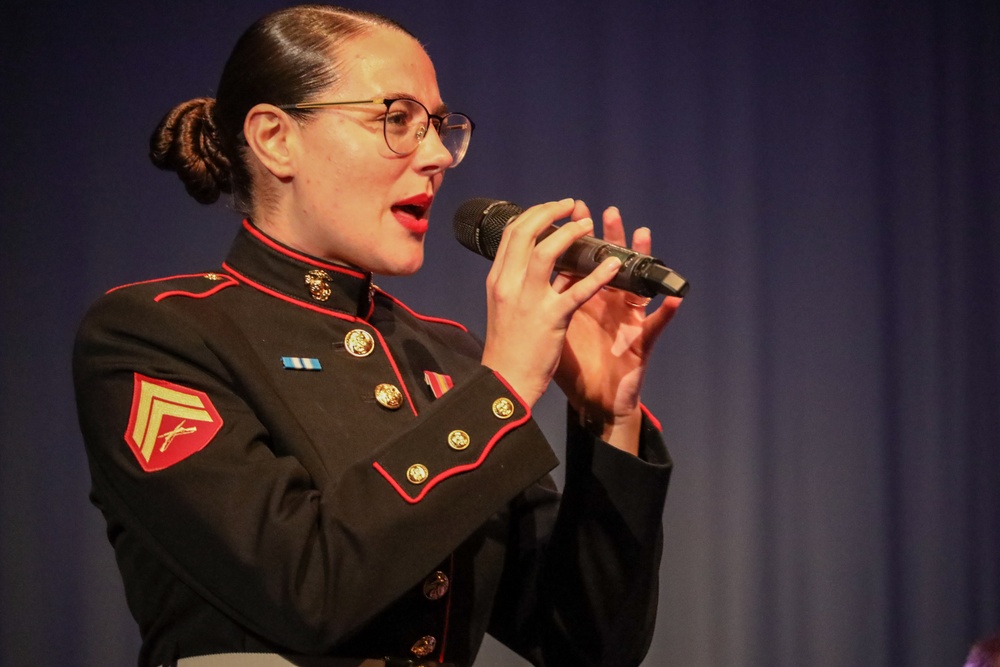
168, 422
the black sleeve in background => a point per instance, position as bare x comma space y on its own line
581, 581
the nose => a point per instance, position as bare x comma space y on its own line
431, 155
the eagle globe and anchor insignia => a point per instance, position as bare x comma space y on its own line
318, 282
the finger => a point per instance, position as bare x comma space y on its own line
549, 249
614, 228
521, 234
562, 282
580, 211
657, 320
642, 241
584, 289
518, 239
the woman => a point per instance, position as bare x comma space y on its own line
308, 467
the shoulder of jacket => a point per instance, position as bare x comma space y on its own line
139, 304
151, 310
192, 285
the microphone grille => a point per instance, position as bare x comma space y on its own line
479, 224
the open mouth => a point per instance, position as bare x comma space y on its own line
412, 212
417, 206
411, 209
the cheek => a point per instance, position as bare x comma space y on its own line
350, 175
357, 171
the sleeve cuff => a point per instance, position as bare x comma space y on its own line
463, 429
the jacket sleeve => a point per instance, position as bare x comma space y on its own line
581, 581
299, 555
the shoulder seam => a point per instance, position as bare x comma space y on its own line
160, 280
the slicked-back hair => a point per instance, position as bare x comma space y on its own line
286, 57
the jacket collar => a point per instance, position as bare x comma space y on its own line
263, 262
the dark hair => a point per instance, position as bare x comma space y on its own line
286, 57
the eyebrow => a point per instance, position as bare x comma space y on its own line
440, 110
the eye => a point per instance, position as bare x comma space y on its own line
397, 118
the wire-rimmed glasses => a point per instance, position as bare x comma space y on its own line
406, 122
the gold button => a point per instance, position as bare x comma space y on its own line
424, 646
458, 440
213, 276
436, 586
503, 408
316, 281
359, 343
388, 396
417, 473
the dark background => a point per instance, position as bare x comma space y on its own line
827, 176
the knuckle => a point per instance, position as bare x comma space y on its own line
502, 293
546, 253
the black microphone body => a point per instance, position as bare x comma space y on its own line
479, 225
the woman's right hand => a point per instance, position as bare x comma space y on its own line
527, 318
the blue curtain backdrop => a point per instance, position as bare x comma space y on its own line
827, 176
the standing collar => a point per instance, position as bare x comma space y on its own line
267, 264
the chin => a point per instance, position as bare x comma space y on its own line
402, 267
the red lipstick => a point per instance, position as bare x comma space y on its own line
411, 213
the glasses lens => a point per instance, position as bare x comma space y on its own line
455, 133
405, 125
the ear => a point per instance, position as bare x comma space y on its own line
273, 136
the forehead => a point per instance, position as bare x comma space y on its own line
387, 62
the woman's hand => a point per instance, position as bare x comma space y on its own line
527, 315
608, 344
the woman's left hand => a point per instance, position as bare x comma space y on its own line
608, 344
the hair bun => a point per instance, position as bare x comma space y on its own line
186, 141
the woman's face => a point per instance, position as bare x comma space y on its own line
352, 199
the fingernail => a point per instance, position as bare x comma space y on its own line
586, 222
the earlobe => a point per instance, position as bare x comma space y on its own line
272, 136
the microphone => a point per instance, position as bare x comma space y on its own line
479, 224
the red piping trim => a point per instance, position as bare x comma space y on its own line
331, 313
267, 290
392, 362
417, 315
159, 280
511, 390
451, 472
271, 243
651, 418
202, 295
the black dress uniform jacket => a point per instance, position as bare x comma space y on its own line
262, 495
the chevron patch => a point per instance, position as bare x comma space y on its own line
168, 422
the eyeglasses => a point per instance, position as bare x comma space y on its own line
405, 125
